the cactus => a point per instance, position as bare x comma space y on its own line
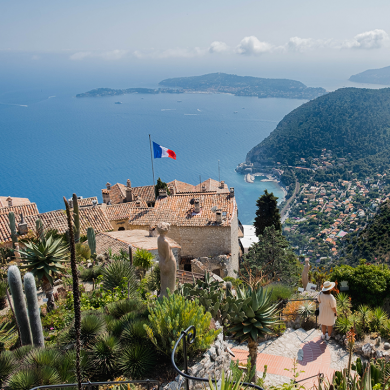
91, 240
76, 219
12, 226
33, 310
15, 284
40, 229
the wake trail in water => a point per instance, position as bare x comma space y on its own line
13, 104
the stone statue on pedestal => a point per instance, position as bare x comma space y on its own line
305, 274
167, 261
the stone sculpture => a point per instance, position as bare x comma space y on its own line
305, 274
167, 261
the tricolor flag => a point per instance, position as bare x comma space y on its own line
159, 151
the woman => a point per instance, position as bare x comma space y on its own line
327, 309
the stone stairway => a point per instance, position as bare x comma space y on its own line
313, 356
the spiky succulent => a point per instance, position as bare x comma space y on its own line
260, 314
44, 259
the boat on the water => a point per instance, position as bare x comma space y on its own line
118, 102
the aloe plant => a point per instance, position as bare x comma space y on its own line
44, 259
260, 315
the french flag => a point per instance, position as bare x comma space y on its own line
159, 151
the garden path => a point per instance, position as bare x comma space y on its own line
313, 356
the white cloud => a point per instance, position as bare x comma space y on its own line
374, 39
109, 55
300, 44
252, 46
218, 47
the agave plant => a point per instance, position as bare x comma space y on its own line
364, 313
343, 324
44, 259
7, 336
257, 318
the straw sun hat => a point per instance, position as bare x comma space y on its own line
328, 286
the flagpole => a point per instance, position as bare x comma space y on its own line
151, 158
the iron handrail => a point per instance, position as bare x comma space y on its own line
189, 335
89, 384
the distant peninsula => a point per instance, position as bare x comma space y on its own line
222, 83
373, 76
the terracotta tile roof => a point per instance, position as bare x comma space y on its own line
26, 209
15, 201
105, 242
181, 187
120, 211
212, 185
178, 211
91, 216
118, 193
87, 201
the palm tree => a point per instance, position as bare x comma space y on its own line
256, 319
44, 259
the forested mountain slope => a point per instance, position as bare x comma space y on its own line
353, 123
373, 76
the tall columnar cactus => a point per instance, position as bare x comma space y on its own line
12, 226
15, 284
91, 240
40, 229
76, 219
33, 310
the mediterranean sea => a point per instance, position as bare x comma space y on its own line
53, 144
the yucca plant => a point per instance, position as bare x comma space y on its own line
118, 272
378, 319
7, 365
260, 315
44, 260
143, 259
3, 294
343, 304
8, 336
103, 356
137, 361
364, 313
120, 308
343, 324
306, 310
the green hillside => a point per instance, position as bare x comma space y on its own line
373, 76
372, 243
352, 123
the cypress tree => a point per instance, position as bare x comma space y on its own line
267, 213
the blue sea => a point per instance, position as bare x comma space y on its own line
53, 144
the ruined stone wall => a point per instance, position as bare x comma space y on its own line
233, 264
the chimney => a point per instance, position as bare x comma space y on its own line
9, 200
108, 185
22, 226
128, 183
152, 231
138, 203
129, 194
106, 196
222, 184
218, 216
94, 203
197, 206
162, 193
172, 190
203, 188
232, 192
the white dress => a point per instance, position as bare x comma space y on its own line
326, 316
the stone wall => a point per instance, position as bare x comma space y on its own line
213, 362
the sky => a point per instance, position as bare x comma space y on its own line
179, 37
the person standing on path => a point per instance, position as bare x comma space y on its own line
328, 310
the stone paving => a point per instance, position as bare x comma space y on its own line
313, 356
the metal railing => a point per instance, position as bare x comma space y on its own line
150, 384
188, 336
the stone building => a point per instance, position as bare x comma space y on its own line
205, 224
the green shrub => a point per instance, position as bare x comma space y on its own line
120, 308
280, 291
120, 273
153, 280
82, 252
143, 259
368, 283
89, 274
137, 361
343, 324
173, 314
